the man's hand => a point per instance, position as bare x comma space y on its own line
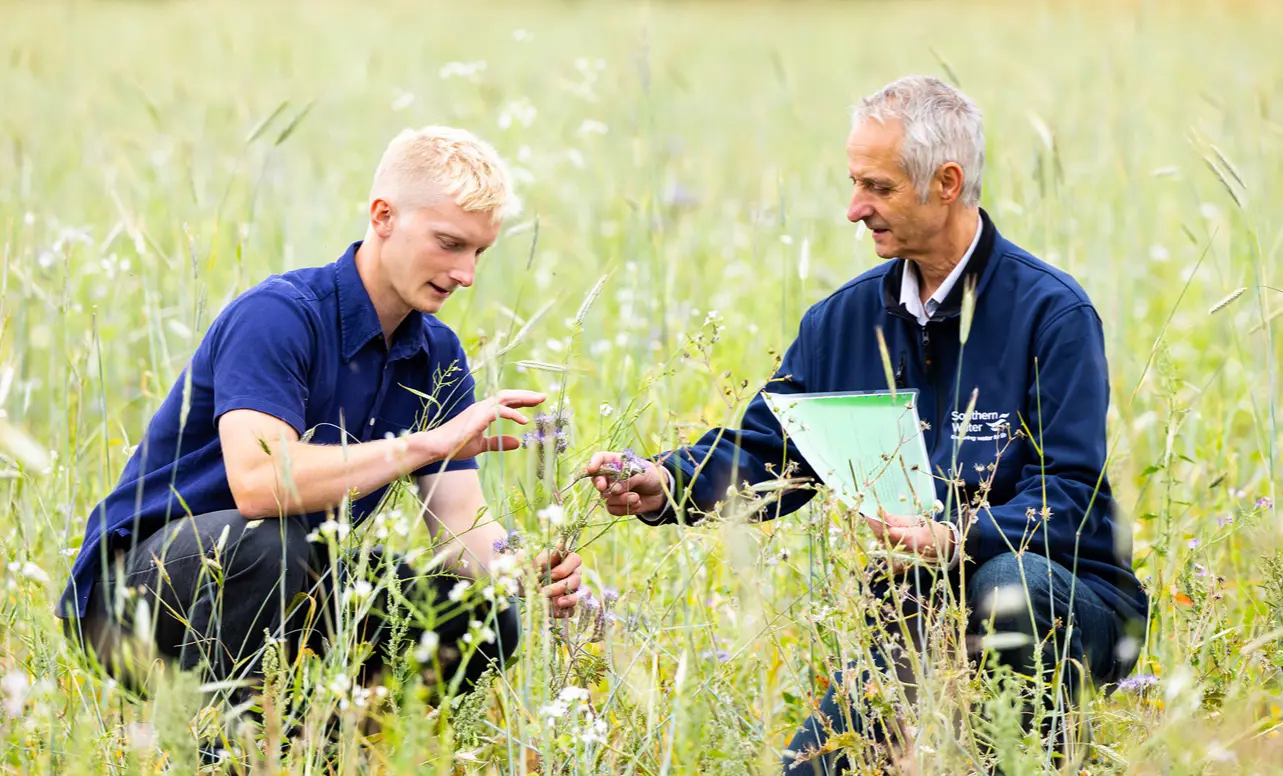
639, 493
929, 541
563, 569
464, 436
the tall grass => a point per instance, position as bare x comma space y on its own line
682, 167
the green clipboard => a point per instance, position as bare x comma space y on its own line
867, 447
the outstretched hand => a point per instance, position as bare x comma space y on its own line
464, 435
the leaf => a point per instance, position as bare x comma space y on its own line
290, 127
262, 125
263, 444
1151, 469
1149, 516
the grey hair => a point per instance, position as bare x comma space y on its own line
941, 125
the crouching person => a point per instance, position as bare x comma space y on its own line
303, 403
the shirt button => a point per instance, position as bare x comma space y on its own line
371, 421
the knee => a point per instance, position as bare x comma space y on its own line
1010, 590
271, 548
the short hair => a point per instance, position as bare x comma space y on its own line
422, 165
941, 125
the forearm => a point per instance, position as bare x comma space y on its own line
294, 477
464, 531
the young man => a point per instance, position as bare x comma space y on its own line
304, 401
1036, 521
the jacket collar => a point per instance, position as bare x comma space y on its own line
979, 266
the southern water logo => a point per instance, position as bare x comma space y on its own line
984, 426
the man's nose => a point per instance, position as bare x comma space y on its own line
859, 209
465, 272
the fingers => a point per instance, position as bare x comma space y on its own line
599, 459
519, 398
504, 411
559, 592
502, 443
565, 565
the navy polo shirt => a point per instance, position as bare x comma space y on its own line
305, 347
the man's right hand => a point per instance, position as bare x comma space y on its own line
639, 494
464, 436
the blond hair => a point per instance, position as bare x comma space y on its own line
422, 165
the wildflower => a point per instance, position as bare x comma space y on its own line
462, 69
1265, 502
1225, 520
358, 592
595, 733
591, 127
1138, 683
1200, 570
459, 590
605, 409
1193, 544
15, 686
518, 112
29, 570
428, 644
630, 465
553, 513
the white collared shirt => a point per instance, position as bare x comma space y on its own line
911, 297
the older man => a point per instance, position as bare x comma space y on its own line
310, 394
1035, 357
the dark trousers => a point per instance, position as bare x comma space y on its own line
213, 588
1028, 595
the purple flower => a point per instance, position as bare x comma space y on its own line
1225, 520
1193, 544
1200, 570
1265, 502
629, 465
1138, 683
510, 542
609, 596
720, 655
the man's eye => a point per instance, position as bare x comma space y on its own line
449, 245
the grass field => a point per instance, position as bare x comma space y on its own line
684, 181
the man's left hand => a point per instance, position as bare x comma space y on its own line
562, 569
930, 542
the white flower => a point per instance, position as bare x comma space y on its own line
428, 644
459, 590
595, 733
592, 127
606, 410
462, 69
358, 592
571, 693
29, 570
520, 111
403, 101
15, 687
553, 513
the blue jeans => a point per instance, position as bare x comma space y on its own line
1034, 600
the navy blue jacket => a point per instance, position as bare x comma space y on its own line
1036, 354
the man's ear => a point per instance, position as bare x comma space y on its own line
949, 179
381, 217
